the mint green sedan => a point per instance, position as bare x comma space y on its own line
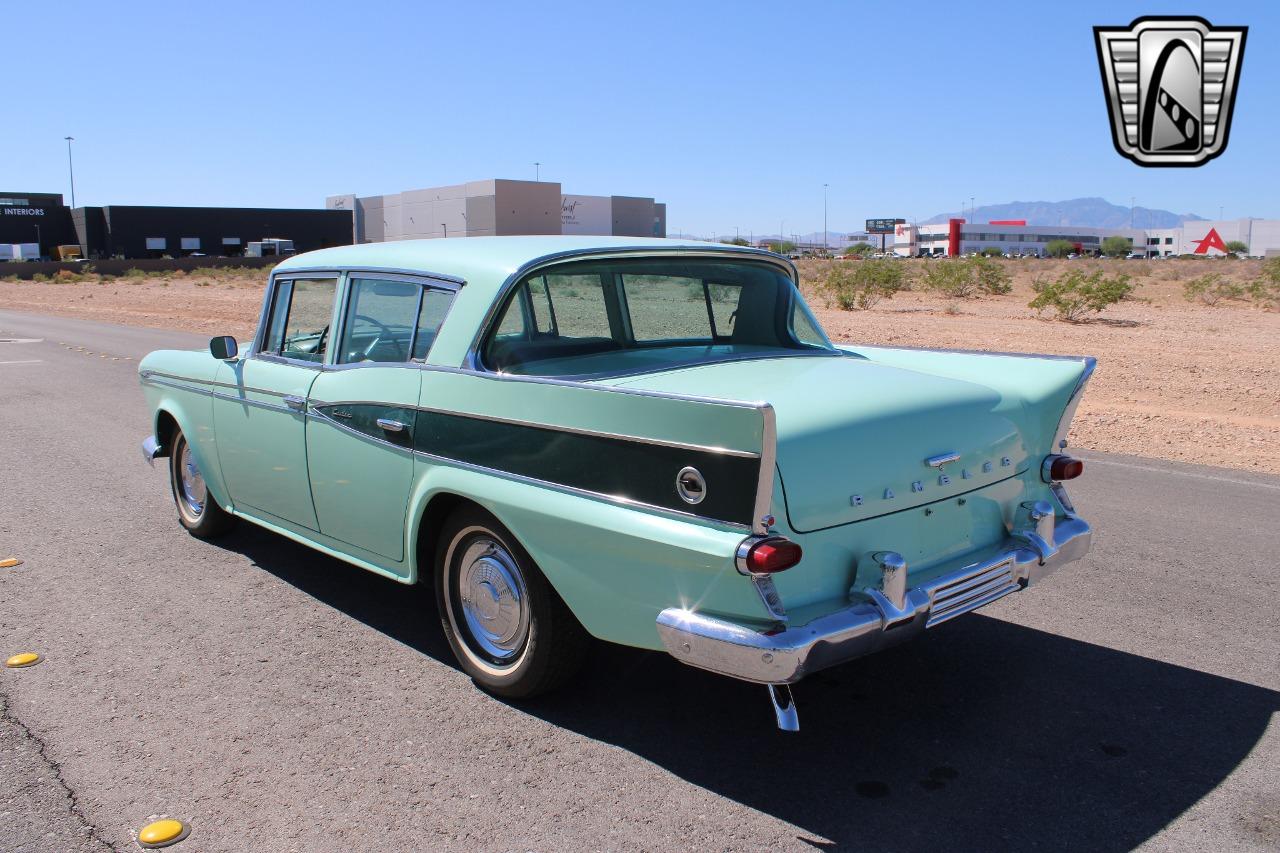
649, 442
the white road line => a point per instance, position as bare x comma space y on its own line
27, 361
1096, 461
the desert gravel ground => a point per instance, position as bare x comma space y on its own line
1176, 380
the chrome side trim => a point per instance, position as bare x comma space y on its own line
660, 442
767, 655
1069, 413
230, 397
761, 519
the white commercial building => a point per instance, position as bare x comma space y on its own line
1013, 237
1206, 237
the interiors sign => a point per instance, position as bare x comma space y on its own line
23, 211
586, 214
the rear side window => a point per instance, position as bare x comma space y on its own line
435, 305
380, 320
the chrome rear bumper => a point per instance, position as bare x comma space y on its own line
882, 618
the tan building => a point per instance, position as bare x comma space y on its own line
498, 208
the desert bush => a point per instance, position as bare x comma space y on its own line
1239, 247
860, 286
859, 249
41, 277
1265, 290
952, 277
1059, 248
1076, 293
1210, 289
961, 278
991, 276
67, 277
134, 272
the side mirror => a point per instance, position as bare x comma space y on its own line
223, 347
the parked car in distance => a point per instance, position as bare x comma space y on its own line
649, 442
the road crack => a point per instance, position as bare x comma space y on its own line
8, 717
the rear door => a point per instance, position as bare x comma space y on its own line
260, 408
360, 436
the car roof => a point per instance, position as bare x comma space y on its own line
485, 264
482, 258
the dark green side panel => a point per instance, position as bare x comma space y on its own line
609, 466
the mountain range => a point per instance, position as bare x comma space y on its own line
1088, 212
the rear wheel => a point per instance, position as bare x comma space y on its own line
504, 621
197, 510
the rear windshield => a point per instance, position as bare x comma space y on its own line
596, 318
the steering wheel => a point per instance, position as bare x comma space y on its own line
383, 330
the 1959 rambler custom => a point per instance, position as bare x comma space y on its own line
650, 442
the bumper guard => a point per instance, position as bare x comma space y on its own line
880, 617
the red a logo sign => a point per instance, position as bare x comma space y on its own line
1210, 241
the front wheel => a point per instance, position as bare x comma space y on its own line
197, 510
504, 621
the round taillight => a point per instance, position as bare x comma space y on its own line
1065, 468
774, 554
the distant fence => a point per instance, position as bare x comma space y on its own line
28, 269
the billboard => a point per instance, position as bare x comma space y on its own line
586, 214
883, 226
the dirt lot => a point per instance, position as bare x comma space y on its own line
1176, 380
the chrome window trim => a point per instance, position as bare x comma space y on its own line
255, 350
472, 357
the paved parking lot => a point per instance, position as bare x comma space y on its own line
280, 700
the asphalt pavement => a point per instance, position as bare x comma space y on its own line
277, 699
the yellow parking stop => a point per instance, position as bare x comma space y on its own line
162, 833
10, 562
23, 659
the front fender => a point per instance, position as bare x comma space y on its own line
616, 567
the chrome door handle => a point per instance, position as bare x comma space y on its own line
392, 426
295, 402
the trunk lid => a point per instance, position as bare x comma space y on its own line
855, 436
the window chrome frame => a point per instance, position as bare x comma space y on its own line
343, 275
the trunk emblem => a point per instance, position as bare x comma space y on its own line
942, 459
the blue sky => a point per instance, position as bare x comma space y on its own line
735, 114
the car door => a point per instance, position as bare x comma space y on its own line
260, 410
360, 435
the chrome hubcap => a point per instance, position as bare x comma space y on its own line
495, 605
191, 482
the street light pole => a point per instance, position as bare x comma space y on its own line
39, 241
972, 214
537, 171
824, 217
71, 171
